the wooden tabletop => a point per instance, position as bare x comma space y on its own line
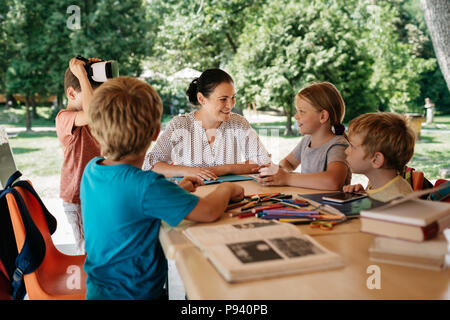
202, 281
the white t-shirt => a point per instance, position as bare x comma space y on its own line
184, 142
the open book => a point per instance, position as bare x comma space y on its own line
260, 249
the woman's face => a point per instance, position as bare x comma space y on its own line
220, 101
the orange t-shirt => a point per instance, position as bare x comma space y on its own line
79, 147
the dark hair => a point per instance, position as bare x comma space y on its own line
71, 81
206, 83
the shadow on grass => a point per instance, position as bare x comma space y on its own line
428, 139
36, 134
17, 151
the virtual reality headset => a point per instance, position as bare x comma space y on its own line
100, 71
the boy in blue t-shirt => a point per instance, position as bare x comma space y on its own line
122, 206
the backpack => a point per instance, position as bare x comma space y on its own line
14, 263
417, 180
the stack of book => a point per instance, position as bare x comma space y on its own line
410, 232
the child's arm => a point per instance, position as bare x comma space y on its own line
289, 163
240, 168
331, 179
169, 170
77, 68
353, 188
212, 206
191, 183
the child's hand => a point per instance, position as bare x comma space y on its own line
76, 66
191, 183
202, 173
269, 170
257, 169
278, 179
91, 60
353, 188
237, 192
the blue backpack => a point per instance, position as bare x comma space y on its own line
15, 263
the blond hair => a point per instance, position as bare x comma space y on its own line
324, 96
387, 133
124, 115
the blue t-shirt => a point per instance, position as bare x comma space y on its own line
122, 208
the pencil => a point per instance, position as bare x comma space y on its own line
290, 212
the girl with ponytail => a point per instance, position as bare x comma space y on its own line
320, 111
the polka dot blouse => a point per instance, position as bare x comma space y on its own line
184, 142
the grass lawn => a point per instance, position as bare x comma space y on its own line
431, 153
39, 156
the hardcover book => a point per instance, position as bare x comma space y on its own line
259, 249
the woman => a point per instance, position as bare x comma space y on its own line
211, 141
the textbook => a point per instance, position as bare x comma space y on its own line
349, 209
414, 219
437, 247
429, 254
432, 263
257, 249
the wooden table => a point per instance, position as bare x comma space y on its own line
202, 281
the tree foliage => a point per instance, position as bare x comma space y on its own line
299, 42
378, 53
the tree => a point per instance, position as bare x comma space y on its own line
437, 17
201, 34
295, 43
27, 71
116, 30
5, 45
396, 68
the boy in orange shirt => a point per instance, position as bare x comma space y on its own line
78, 144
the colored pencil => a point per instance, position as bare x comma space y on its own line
290, 212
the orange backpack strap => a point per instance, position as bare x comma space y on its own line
417, 180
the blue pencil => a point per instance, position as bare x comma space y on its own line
280, 216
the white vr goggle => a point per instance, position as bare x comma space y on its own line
102, 70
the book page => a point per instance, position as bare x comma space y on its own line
251, 229
280, 255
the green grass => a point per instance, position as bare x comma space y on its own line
16, 117
39, 155
439, 122
431, 153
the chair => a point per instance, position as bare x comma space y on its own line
416, 179
53, 278
442, 195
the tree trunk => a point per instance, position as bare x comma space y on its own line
34, 110
28, 113
288, 130
437, 17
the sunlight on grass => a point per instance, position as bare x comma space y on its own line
39, 155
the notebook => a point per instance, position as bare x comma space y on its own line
7, 163
220, 179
